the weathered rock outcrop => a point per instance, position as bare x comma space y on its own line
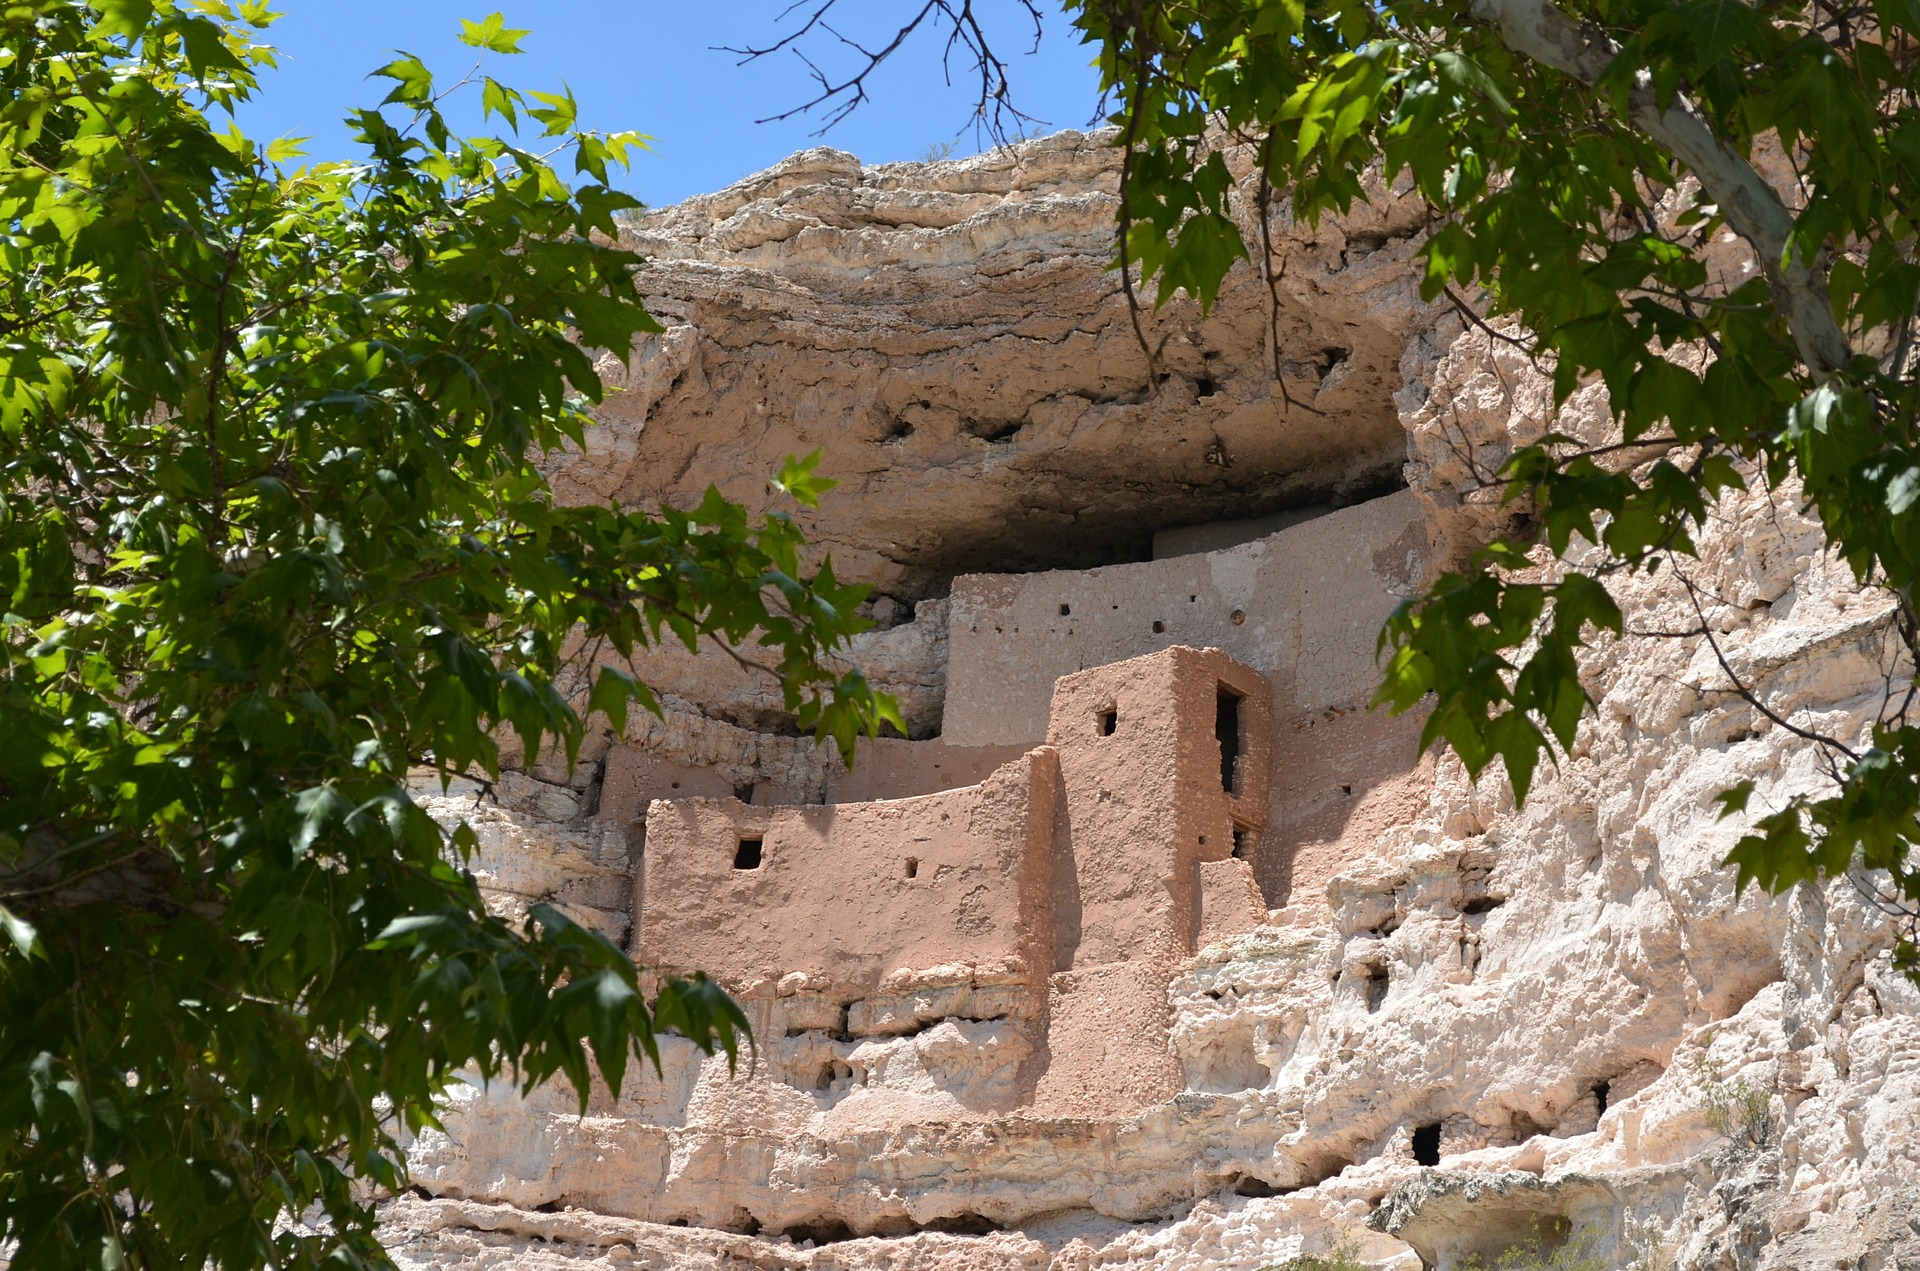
1462, 1026
949, 337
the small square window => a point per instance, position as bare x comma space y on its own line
747, 854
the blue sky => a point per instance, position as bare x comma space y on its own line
649, 65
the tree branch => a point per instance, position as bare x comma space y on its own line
1540, 30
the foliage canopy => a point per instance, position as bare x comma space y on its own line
274, 544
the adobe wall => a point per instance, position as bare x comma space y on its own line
1303, 607
895, 768
845, 896
1149, 801
633, 776
1145, 801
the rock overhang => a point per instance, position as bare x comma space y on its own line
972, 376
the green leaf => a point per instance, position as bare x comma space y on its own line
558, 113
797, 480
20, 933
1733, 801
611, 693
123, 17
319, 809
1463, 74
498, 100
414, 81
492, 34
282, 149
1717, 27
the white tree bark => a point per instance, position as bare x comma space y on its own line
1539, 30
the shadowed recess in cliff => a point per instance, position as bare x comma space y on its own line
1066, 521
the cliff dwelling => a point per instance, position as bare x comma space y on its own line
1148, 943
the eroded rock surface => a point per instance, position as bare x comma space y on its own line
1441, 1026
948, 335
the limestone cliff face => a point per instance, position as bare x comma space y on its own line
948, 336
1446, 1026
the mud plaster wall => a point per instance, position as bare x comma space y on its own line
895, 768
1302, 606
1146, 803
845, 895
1075, 870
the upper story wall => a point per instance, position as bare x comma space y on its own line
1303, 607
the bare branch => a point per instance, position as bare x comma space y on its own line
841, 96
1745, 693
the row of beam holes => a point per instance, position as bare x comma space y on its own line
1237, 617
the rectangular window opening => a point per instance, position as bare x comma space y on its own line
1242, 844
747, 854
1109, 720
1226, 730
